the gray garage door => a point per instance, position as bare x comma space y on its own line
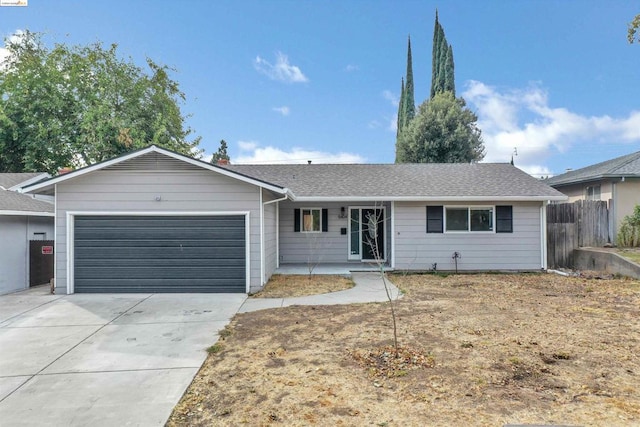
159, 254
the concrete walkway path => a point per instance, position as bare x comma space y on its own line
369, 287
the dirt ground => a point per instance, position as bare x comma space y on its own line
298, 285
477, 350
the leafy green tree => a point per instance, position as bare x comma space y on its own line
633, 30
78, 105
443, 131
221, 154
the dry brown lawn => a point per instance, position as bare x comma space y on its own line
293, 285
477, 350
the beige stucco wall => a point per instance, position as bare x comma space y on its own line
578, 191
627, 197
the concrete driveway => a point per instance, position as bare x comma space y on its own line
103, 360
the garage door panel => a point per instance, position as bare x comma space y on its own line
159, 254
160, 272
107, 221
166, 233
151, 263
222, 285
164, 243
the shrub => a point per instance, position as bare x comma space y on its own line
629, 233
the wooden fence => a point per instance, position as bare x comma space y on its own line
573, 225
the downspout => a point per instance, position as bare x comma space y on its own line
262, 205
613, 224
543, 226
393, 234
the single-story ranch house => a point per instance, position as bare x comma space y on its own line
157, 221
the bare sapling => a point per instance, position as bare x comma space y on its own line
371, 238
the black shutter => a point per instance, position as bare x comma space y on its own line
296, 220
434, 219
504, 219
325, 220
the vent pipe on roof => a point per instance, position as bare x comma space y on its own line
308, 162
62, 171
568, 169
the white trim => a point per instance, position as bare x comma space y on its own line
268, 202
393, 234
70, 218
247, 250
18, 187
302, 230
155, 149
359, 256
459, 199
262, 273
543, 234
278, 234
55, 242
26, 213
469, 209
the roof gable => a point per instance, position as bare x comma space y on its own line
626, 166
150, 158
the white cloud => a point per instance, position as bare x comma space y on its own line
16, 37
391, 97
524, 119
284, 110
251, 153
281, 70
247, 145
351, 67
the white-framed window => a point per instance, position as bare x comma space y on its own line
474, 219
593, 192
311, 220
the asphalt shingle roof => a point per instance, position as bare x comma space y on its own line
12, 201
627, 166
17, 202
430, 180
8, 180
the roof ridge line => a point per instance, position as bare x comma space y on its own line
634, 157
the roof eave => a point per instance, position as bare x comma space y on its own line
432, 199
25, 213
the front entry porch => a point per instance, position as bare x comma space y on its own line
342, 269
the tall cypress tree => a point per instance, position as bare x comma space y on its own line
435, 49
442, 68
401, 114
406, 107
449, 81
409, 98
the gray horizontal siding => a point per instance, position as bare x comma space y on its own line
319, 248
417, 250
270, 235
136, 191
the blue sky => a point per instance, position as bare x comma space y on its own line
319, 80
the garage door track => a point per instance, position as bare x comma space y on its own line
110, 359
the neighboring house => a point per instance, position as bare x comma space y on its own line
22, 218
615, 181
157, 221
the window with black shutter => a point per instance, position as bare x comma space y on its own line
504, 219
434, 219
